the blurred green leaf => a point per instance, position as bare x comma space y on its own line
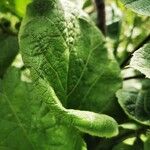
17, 7
147, 144
130, 126
123, 146
8, 50
135, 102
20, 6
87, 3
113, 29
139, 6
141, 60
26, 123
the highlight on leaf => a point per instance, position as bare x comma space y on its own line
140, 6
141, 60
92, 123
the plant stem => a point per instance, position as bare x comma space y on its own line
101, 15
141, 76
109, 144
125, 62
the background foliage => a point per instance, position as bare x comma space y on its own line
126, 31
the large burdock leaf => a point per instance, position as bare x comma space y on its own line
135, 102
25, 121
69, 65
141, 60
139, 6
64, 46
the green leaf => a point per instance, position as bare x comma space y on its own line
15, 6
87, 3
147, 144
123, 146
8, 50
20, 6
57, 44
139, 6
135, 102
88, 122
113, 29
68, 65
130, 126
26, 122
141, 60
93, 123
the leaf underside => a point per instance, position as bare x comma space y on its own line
140, 6
141, 60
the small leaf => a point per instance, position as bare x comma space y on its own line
20, 6
139, 6
134, 103
141, 60
17, 7
130, 126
